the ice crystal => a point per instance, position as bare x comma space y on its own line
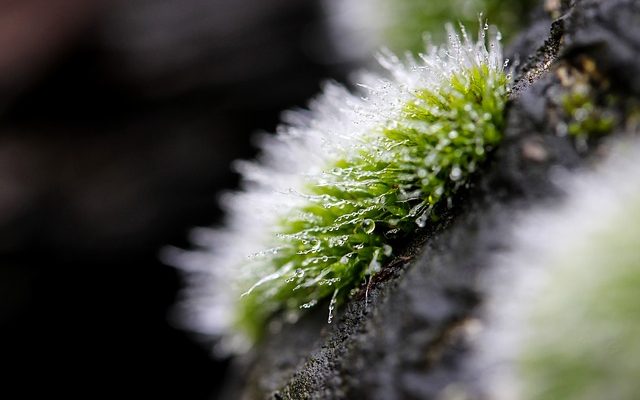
317, 208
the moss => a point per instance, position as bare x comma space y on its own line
388, 189
583, 342
588, 108
585, 118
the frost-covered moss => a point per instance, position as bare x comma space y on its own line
565, 319
322, 204
583, 342
391, 187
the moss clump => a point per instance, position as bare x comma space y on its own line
582, 341
388, 188
585, 118
588, 109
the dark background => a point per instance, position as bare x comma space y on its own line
118, 120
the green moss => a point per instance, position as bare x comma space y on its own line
409, 168
588, 107
585, 118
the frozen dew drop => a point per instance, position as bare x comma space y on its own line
456, 173
292, 316
368, 225
430, 159
386, 249
309, 304
421, 221
453, 134
332, 305
374, 265
472, 166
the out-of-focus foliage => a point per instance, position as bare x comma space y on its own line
363, 26
408, 19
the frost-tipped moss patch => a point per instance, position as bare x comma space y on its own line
320, 207
565, 316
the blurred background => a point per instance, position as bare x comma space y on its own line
118, 121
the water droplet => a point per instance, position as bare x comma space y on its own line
292, 316
374, 265
387, 250
430, 159
368, 225
453, 134
421, 221
456, 173
392, 232
344, 259
332, 305
309, 304
472, 166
